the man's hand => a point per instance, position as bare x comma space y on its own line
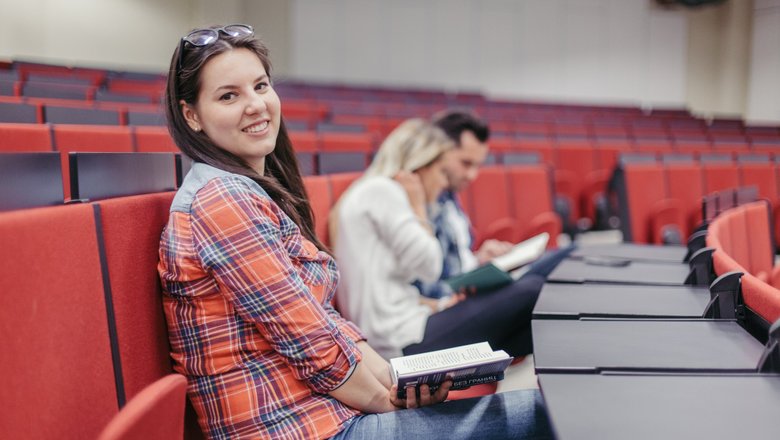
491, 249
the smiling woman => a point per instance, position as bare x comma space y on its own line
248, 288
236, 107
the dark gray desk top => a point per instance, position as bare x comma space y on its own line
590, 346
638, 407
573, 301
631, 251
579, 271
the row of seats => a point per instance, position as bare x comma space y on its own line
88, 271
658, 200
741, 240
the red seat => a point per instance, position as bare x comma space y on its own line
25, 137
761, 298
719, 176
490, 206
89, 138
531, 196
318, 192
54, 338
645, 188
686, 185
150, 139
156, 413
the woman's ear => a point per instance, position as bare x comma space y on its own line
190, 115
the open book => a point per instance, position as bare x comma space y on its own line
466, 365
503, 269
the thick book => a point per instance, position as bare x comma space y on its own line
503, 269
466, 365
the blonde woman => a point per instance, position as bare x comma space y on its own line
386, 243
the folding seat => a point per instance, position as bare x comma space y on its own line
105, 95
30, 180
719, 172
94, 138
9, 87
20, 112
685, 183
531, 202
156, 413
80, 115
653, 145
608, 150
575, 161
694, 146
644, 208
757, 170
304, 110
153, 140
758, 219
138, 117
318, 192
762, 301
306, 146
24, 137
490, 206
344, 152
331, 127
340, 182
38, 89
96, 176
57, 359
543, 146
88, 138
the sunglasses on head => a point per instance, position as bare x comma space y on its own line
205, 37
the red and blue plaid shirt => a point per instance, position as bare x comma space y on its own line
248, 305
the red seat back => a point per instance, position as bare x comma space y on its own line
54, 336
318, 191
25, 137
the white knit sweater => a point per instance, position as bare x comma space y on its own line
381, 247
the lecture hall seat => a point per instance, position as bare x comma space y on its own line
156, 413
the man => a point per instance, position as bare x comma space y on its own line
452, 226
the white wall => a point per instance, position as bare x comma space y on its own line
586, 50
129, 34
764, 85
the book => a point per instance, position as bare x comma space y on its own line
466, 365
503, 269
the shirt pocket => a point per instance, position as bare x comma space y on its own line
311, 266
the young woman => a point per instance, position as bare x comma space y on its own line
247, 286
391, 244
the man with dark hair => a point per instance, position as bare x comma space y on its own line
452, 225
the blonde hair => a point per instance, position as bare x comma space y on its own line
414, 144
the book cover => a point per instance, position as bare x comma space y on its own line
466, 365
496, 274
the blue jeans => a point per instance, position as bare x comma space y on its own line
515, 414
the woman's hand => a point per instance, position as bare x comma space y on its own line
437, 305
426, 398
414, 190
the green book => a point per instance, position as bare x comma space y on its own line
484, 279
503, 269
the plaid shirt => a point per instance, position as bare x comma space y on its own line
248, 305
448, 213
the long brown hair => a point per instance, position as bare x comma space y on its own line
282, 178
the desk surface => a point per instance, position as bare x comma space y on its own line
574, 301
591, 346
662, 406
631, 251
636, 272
